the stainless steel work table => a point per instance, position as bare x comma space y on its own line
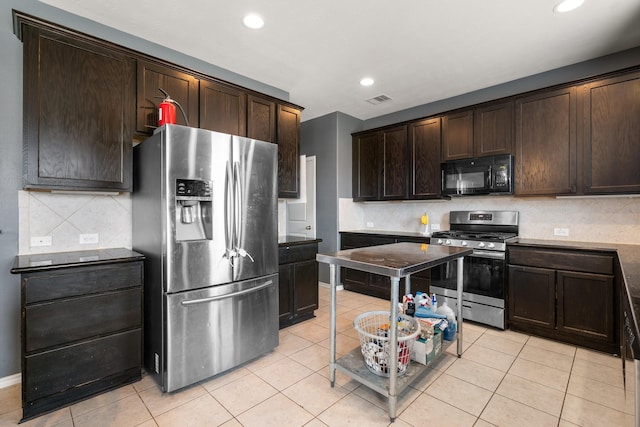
396, 260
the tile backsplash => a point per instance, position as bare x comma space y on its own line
594, 219
64, 217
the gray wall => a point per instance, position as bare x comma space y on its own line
11, 144
582, 70
329, 139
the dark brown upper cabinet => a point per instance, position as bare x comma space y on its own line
78, 109
394, 163
424, 159
261, 118
457, 136
493, 129
288, 132
223, 108
545, 143
365, 167
380, 169
181, 86
611, 135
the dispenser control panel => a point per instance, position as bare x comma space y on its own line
193, 189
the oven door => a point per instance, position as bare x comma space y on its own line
463, 177
484, 274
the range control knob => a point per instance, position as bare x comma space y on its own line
439, 241
464, 243
491, 246
481, 245
447, 242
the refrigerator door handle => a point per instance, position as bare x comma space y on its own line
234, 294
241, 252
230, 253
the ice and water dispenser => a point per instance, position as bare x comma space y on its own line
193, 210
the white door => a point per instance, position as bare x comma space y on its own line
301, 213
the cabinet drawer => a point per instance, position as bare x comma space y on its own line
360, 241
562, 260
57, 371
77, 281
56, 323
287, 254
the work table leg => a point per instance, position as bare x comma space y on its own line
393, 349
333, 272
460, 272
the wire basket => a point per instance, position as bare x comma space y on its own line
373, 330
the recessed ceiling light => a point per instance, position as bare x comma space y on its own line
367, 81
253, 21
567, 5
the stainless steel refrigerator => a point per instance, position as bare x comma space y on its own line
205, 217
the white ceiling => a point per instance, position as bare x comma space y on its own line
418, 51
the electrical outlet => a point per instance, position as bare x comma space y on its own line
561, 232
369, 224
86, 239
435, 227
41, 241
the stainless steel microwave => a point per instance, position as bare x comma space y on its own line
484, 175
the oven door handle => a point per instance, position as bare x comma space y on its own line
488, 254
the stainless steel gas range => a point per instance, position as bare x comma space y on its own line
487, 233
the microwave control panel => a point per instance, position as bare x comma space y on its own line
501, 176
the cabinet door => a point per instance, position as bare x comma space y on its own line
223, 108
366, 170
288, 136
585, 305
261, 119
493, 130
532, 296
424, 158
611, 135
181, 86
306, 287
394, 160
457, 136
285, 283
78, 107
546, 143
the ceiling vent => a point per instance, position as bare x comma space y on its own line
378, 99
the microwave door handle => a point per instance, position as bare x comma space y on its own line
490, 177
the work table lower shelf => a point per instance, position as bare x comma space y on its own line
352, 364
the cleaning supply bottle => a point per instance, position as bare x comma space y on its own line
434, 302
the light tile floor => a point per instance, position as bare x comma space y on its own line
503, 378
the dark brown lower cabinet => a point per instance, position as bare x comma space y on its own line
81, 333
564, 295
298, 282
375, 284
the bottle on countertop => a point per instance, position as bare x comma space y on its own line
434, 302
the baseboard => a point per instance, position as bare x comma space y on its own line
10, 380
327, 285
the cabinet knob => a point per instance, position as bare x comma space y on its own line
308, 227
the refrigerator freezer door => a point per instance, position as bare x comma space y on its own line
215, 329
255, 168
196, 154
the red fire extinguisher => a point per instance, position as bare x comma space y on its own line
167, 110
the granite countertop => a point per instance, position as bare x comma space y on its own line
52, 261
296, 240
629, 256
387, 233
394, 260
